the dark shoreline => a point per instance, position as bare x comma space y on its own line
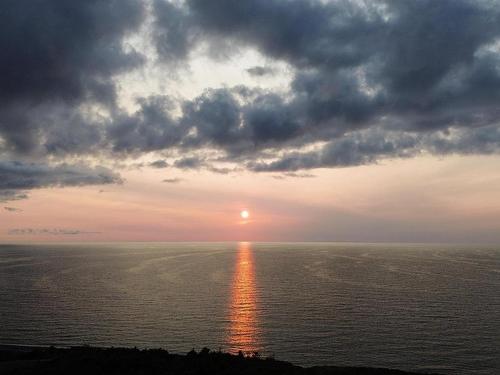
29, 360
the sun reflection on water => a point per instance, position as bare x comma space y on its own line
244, 332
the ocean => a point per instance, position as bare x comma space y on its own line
428, 308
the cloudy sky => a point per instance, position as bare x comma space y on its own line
328, 120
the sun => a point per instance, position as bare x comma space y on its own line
245, 214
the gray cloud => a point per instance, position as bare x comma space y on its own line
12, 195
216, 117
371, 80
260, 71
304, 32
371, 145
55, 56
221, 170
172, 180
299, 175
159, 164
53, 49
419, 67
356, 149
173, 32
151, 128
286, 175
45, 231
18, 177
193, 162
12, 209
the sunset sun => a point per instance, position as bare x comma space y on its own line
244, 214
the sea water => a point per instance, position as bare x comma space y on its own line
428, 308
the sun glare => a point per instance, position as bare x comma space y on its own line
244, 214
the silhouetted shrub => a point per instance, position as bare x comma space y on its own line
123, 361
255, 355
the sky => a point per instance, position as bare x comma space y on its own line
156, 120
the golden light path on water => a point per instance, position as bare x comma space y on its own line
244, 331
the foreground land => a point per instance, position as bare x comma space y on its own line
93, 361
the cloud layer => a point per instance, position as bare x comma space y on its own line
19, 177
12, 209
45, 231
370, 80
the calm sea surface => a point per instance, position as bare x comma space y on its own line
413, 307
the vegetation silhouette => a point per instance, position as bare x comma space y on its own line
87, 360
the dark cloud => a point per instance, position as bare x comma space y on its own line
370, 81
151, 128
49, 129
260, 71
12, 195
420, 67
221, 170
52, 49
237, 122
286, 175
173, 32
172, 180
59, 59
12, 209
192, 162
45, 231
371, 145
306, 32
299, 175
216, 117
357, 149
159, 164
56, 56
18, 177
